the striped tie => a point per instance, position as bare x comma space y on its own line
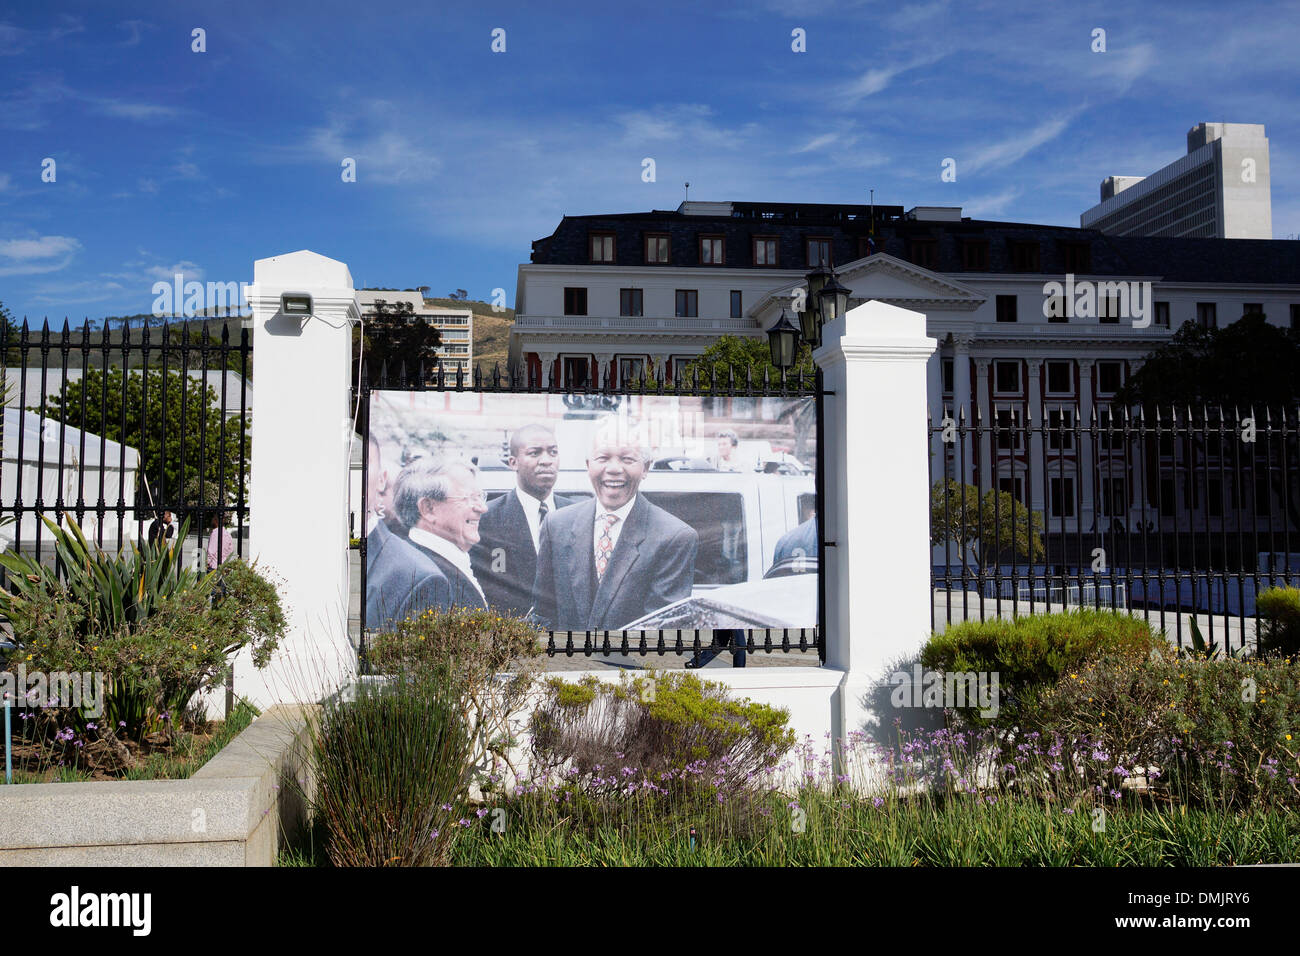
541, 512
604, 546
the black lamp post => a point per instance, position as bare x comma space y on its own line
810, 319
783, 338
834, 300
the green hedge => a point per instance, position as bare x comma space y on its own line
1279, 614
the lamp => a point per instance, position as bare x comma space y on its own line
295, 303
783, 338
810, 319
834, 300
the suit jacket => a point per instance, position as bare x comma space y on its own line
507, 577
451, 589
400, 578
802, 538
652, 565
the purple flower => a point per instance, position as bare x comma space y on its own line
878, 802
481, 812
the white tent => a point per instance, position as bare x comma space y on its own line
87, 460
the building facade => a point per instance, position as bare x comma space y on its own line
455, 326
1219, 190
1028, 317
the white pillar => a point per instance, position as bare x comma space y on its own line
981, 448
1034, 414
1090, 507
961, 400
937, 410
878, 572
301, 437
548, 367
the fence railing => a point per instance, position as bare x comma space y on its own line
723, 382
1184, 514
114, 425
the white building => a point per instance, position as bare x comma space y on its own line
611, 295
1220, 189
455, 326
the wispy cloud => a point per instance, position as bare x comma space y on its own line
36, 255
13, 40
135, 30
995, 204
130, 109
1015, 147
878, 78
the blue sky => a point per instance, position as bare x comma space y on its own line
170, 160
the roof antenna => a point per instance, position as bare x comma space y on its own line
688, 192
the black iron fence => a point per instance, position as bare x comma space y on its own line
721, 383
114, 425
1185, 514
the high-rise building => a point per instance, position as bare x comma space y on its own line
455, 326
1219, 190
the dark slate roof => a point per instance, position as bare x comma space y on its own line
1176, 260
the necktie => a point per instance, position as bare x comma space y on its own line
542, 512
604, 546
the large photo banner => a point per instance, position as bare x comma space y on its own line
593, 512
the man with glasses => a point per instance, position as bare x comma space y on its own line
440, 503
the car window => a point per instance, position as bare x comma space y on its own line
719, 519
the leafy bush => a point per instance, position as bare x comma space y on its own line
1279, 619
1032, 652
390, 766
159, 633
658, 723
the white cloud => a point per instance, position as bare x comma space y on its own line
995, 204
1014, 148
127, 109
34, 256
5, 179
879, 77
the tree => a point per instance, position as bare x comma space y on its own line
191, 430
992, 526
198, 336
1248, 363
395, 334
745, 353
1247, 368
459, 294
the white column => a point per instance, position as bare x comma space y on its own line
937, 411
603, 361
1088, 509
961, 400
1034, 414
878, 572
548, 367
298, 491
983, 443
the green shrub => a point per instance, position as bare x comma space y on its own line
1032, 652
655, 724
159, 633
1279, 619
391, 766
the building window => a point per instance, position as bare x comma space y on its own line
575, 301
1110, 376
711, 251
679, 369
1112, 497
688, 303
1025, 257
975, 255
1008, 424
1006, 377
1252, 308
1063, 497
631, 302
923, 252
630, 369
602, 247
1108, 310
1214, 503
1060, 429
1162, 315
1077, 257
947, 376
1015, 487
864, 247
577, 371
1054, 309
819, 253
737, 310
765, 250
656, 249
1205, 315
1168, 498
1110, 430
1263, 497
1060, 381
1295, 316
1006, 308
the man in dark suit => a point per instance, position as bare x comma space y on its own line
799, 542
606, 562
505, 558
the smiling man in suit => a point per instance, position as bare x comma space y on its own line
608, 561
440, 504
505, 558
